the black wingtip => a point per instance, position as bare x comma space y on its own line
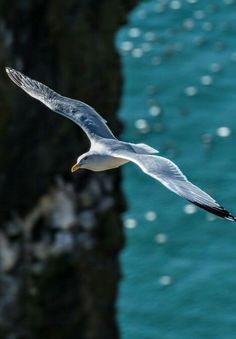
219, 211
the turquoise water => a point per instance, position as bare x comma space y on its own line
179, 265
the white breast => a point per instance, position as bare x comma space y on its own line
105, 162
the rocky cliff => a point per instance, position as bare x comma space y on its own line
60, 234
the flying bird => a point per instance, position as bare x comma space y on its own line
107, 152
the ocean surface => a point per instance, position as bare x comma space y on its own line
179, 96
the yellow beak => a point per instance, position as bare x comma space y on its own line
75, 167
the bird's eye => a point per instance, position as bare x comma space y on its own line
85, 158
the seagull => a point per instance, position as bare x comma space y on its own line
107, 152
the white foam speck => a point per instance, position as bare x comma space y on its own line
137, 52
175, 4
165, 280
149, 36
190, 209
155, 111
142, 125
229, 2
156, 60
233, 56
207, 26
159, 8
161, 238
127, 46
206, 80
150, 216
134, 32
130, 223
146, 47
215, 67
223, 131
199, 14
191, 91
211, 217
188, 24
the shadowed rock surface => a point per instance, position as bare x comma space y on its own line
60, 234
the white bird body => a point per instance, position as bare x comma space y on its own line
99, 161
107, 152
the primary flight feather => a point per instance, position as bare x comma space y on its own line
108, 152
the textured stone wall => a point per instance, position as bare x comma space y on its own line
60, 234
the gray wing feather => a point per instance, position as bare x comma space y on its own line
170, 175
82, 114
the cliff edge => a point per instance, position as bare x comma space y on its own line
60, 234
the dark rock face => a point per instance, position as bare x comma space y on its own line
60, 235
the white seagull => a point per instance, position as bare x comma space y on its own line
107, 152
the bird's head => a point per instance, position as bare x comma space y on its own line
87, 160
81, 162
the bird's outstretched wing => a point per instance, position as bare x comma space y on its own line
82, 114
170, 176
